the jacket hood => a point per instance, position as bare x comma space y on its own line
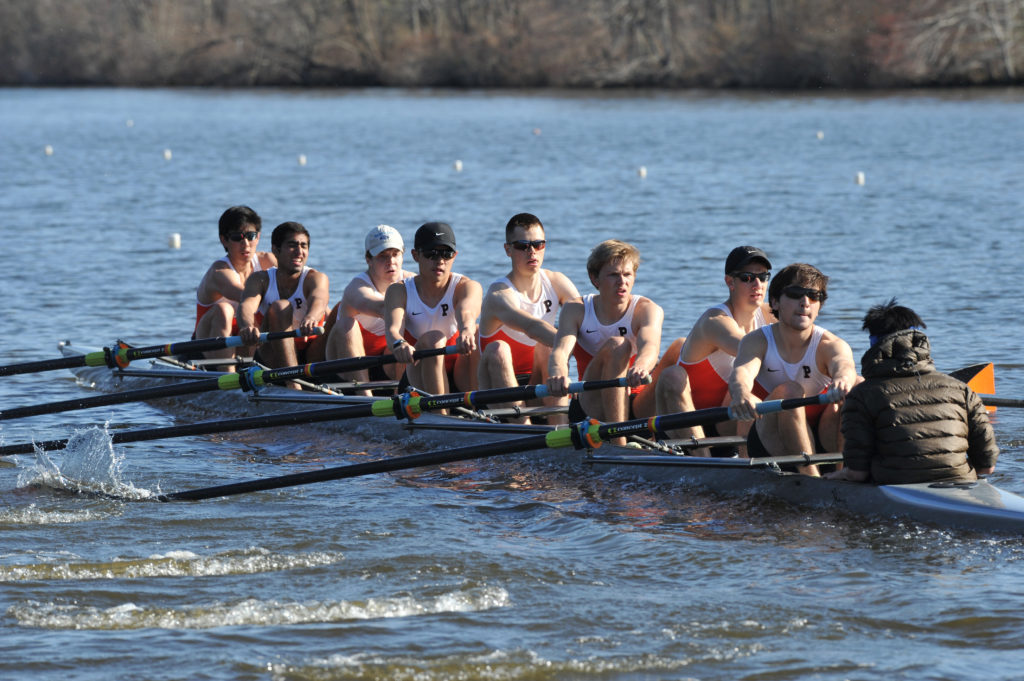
903, 353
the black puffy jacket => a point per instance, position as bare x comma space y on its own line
908, 422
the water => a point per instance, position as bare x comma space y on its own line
508, 568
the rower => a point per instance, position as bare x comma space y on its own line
221, 288
291, 296
612, 334
358, 318
698, 377
435, 308
792, 358
907, 422
519, 313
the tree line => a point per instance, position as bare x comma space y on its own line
513, 43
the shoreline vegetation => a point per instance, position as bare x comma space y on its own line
778, 44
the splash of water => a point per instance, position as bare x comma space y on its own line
89, 465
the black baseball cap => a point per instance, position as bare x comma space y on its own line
434, 235
741, 255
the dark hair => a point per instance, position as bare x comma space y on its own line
881, 320
237, 217
524, 220
284, 229
797, 274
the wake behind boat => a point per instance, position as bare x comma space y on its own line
974, 505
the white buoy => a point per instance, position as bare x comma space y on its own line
302, 159
48, 150
821, 135
457, 165
167, 154
129, 123
642, 171
860, 178
174, 241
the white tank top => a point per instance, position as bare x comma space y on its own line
774, 371
297, 299
593, 333
720, 360
545, 308
419, 318
368, 322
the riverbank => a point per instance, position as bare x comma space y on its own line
776, 44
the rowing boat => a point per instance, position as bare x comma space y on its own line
976, 505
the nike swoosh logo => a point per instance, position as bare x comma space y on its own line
415, 313
590, 330
767, 369
438, 233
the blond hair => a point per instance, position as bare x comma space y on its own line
610, 251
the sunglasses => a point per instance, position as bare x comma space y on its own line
439, 254
747, 277
798, 292
523, 244
248, 236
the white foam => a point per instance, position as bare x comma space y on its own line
250, 612
254, 560
88, 464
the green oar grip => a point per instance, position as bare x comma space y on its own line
96, 359
559, 438
229, 382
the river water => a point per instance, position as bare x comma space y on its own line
508, 568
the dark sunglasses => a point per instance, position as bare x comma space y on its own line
248, 236
439, 254
798, 292
523, 244
747, 277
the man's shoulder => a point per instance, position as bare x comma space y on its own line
645, 305
833, 342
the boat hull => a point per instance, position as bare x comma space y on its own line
976, 505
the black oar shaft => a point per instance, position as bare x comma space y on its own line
393, 407
199, 345
189, 388
337, 366
992, 401
568, 437
481, 398
43, 365
121, 356
367, 468
195, 387
292, 418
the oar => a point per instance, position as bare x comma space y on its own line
250, 379
123, 356
991, 401
401, 406
583, 435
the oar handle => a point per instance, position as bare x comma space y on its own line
482, 398
594, 434
261, 377
774, 406
123, 356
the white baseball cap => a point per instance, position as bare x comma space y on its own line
383, 237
